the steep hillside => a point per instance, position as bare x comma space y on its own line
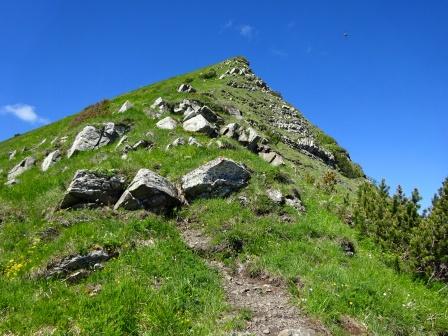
201, 205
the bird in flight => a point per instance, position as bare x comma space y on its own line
346, 35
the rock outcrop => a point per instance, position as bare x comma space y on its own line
89, 188
126, 106
217, 178
149, 191
51, 159
186, 88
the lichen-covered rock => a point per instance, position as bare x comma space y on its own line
167, 123
217, 178
201, 125
93, 188
126, 106
51, 159
91, 138
149, 191
186, 88
21, 167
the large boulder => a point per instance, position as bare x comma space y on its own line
51, 159
20, 168
149, 191
186, 106
217, 178
93, 188
250, 138
273, 158
201, 125
167, 123
91, 138
158, 108
232, 130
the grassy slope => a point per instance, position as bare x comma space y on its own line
165, 288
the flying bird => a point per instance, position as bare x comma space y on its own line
346, 35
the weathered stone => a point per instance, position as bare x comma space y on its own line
273, 158
167, 123
141, 144
186, 88
126, 106
309, 146
51, 159
217, 178
232, 130
123, 139
161, 105
297, 332
75, 267
293, 200
201, 125
91, 138
186, 106
21, 167
93, 188
176, 142
149, 191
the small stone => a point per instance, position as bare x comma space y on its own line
186, 88
51, 159
126, 106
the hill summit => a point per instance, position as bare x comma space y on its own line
204, 204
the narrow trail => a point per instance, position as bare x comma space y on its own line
267, 298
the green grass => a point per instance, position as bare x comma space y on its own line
164, 288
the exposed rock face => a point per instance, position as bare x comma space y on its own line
92, 188
149, 191
186, 88
69, 266
201, 125
158, 108
126, 106
20, 168
308, 146
167, 123
217, 178
91, 138
51, 159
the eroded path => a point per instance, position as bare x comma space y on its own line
266, 297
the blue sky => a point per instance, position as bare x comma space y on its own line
382, 92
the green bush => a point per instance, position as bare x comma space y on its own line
208, 74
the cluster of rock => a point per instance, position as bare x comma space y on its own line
250, 80
250, 138
24, 165
292, 199
148, 190
75, 267
309, 146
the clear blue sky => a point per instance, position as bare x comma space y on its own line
382, 92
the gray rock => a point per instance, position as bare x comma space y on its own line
293, 200
186, 88
123, 139
149, 191
126, 106
69, 266
217, 178
24, 165
232, 130
51, 159
186, 106
176, 142
93, 188
273, 158
161, 105
92, 138
276, 196
201, 125
206, 112
233, 111
297, 332
12, 154
141, 144
167, 123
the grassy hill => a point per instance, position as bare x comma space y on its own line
157, 284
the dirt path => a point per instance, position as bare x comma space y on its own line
265, 297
